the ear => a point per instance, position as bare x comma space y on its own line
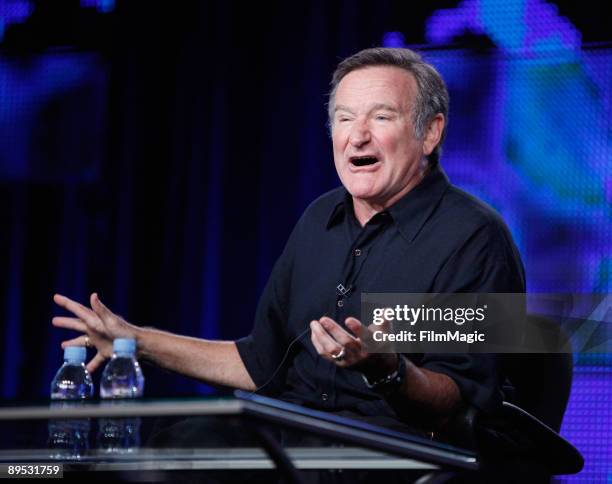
433, 134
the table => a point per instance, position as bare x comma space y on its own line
246, 433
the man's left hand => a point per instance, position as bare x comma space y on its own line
347, 350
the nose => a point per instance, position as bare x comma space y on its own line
360, 133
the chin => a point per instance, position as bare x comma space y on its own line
361, 192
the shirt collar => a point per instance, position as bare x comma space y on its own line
343, 201
411, 211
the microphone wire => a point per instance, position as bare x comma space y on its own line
280, 365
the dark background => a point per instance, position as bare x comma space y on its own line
159, 153
170, 178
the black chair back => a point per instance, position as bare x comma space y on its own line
541, 381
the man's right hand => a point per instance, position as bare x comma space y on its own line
99, 325
215, 362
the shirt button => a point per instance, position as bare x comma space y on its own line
357, 252
340, 303
324, 397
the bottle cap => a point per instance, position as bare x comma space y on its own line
124, 345
75, 354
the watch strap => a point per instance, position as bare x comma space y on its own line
390, 383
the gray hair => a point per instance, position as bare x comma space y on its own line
432, 96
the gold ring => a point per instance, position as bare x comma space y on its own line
339, 356
87, 342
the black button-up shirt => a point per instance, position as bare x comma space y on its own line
437, 238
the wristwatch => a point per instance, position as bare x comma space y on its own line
390, 383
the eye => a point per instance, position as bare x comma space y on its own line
382, 117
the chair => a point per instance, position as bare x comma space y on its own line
522, 437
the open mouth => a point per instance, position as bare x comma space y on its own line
364, 160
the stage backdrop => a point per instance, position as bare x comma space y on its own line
162, 158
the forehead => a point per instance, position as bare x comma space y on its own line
386, 84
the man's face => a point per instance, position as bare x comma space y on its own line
376, 153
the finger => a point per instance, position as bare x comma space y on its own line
355, 326
83, 313
78, 341
69, 323
100, 309
329, 345
95, 362
336, 331
315, 340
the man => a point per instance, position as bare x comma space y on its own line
396, 225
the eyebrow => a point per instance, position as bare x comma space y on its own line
376, 107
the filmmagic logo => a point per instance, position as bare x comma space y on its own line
427, 336
486, 322
414, 315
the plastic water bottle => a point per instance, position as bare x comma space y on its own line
72, 381
122, 379
69, 438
